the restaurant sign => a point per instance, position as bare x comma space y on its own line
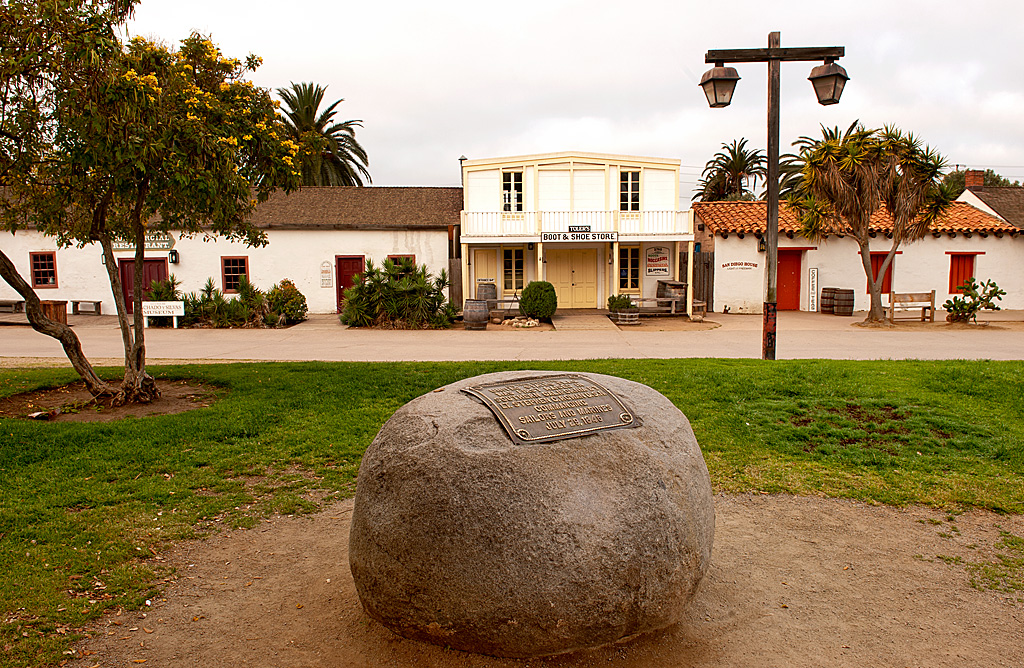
154, 241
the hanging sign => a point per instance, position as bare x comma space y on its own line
154, 241
326, 274
658, 261
812, 287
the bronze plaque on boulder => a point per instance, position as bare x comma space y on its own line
550, 408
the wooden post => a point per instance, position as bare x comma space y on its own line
771, 297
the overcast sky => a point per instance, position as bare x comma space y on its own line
435, 80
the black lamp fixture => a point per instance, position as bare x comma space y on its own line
828, 81
719, 83
172, 256
762, 245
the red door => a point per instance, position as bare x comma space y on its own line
348, 266
788, 286
152, 270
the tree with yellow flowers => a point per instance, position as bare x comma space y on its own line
157, 138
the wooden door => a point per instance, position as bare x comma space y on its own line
152, 270
347, 267
485, 269
584, 278
559, 274
788, 285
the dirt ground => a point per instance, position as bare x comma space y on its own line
72, 403
794, 581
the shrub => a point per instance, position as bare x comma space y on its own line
252, 308
398, 295
974, 297
287, 304
538, 300
617, 303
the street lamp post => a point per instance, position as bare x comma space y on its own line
720, 82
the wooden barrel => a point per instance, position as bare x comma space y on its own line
828, 296
672, 290
843, 303
488, 292
475, 314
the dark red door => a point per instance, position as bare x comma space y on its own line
788, 286
152, 270
348, 267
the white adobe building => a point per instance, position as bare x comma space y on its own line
318, 238
591, 224
965, 242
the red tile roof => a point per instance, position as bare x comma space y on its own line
751, 217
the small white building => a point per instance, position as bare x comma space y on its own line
591, 224
965, 242
319, 237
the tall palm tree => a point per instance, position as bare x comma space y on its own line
732, 173
848, 176
331, 156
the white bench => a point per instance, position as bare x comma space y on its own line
96, 306
911, 301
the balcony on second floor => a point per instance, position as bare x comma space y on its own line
501, 224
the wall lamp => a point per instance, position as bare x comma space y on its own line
173, 257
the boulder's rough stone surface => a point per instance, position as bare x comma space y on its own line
462, 538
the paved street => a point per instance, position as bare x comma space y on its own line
801, 335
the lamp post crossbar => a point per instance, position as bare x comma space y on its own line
790, 54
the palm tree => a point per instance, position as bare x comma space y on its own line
848, 176
727, 175
331, 156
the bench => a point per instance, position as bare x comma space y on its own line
676, 306
12, 305
911, 301
95, 308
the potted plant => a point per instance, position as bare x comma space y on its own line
626, 312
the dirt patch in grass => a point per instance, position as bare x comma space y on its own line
794, 581
73, 403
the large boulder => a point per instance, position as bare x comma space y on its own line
463, 538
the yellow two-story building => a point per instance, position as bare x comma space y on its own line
591, 224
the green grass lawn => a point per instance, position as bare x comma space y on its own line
84, 506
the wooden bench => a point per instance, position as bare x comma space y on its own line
96, 306
911, 301
12, 305
676, 306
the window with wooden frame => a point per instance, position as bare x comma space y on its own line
399, 258
44, 269
232, 269
511, 191
629, 269
961, 267
876, 265
512, 269
629, 191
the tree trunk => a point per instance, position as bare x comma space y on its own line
876, 312
137, 386
68, 339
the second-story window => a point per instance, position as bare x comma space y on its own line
629, 191
512, 191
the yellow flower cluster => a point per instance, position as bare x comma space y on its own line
228, 140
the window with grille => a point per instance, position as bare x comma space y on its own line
512, 269
629, 268
961, 267
629, 191
44, 270
512, 191
233, 268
